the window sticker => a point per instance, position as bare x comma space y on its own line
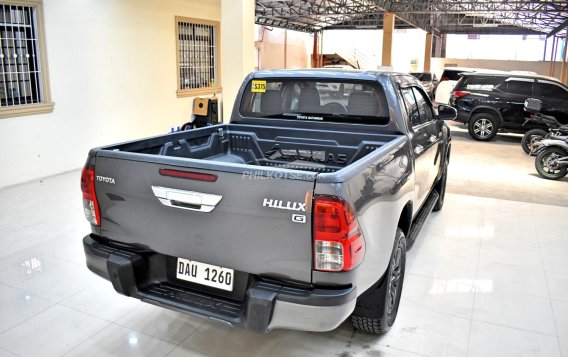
258, 86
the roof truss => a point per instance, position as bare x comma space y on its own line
436, 16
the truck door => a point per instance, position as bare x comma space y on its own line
421, 146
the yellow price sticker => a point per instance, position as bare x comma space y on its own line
258, 86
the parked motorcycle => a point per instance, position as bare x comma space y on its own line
534, 136
552, 158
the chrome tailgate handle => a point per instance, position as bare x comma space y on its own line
189, 200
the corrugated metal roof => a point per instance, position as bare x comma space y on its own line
435, 16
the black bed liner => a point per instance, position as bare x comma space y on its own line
322, 151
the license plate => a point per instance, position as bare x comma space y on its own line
205, 274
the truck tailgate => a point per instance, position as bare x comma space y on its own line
241, 221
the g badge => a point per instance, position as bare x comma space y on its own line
298, 218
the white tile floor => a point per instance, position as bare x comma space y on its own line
486, 278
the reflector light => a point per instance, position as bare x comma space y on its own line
188, 175
338, 242
460, 93
90, 203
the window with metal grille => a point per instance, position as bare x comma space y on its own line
198, 56
23, 87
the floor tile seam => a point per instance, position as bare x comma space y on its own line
29, 318
62, 303
11, 231
192, 333
87, 338
474, 296
33, 276
29, 293
427, 276
156, 337
548, 290
110, 323
531, 267
58, 301
12, 352
513, 327
506, 292
447, 314
501, 199
380, 343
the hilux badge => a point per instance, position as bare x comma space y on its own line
290, 206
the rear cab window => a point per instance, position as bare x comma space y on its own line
361, 102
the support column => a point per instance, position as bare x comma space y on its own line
388, 30
237, 42
315, 52
285, 48
564, 69
428, 53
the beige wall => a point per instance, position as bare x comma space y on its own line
271, 53
112, 66
237, 43
539, 67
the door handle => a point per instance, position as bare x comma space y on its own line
418, 149
189, 200
433, 138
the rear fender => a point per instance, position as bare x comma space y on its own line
486, 109
554, 142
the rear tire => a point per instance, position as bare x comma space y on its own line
483, 126
530, 136
545, 165
377, 307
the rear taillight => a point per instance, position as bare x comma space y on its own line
460, 93
90, 204
338, 241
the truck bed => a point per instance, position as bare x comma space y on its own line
251, 166
320, 151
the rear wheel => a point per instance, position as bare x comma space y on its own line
483, 126
547, 165
377, 308
532, 137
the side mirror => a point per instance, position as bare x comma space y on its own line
533, 105
445, 112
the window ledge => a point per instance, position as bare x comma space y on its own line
198, 91
24, 110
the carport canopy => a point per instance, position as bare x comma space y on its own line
434, 16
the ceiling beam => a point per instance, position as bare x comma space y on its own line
561, 27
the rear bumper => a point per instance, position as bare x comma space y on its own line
266, 306
462, 116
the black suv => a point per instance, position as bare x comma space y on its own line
488, 103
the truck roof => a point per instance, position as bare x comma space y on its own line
327, 73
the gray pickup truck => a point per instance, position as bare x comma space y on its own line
297, 214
